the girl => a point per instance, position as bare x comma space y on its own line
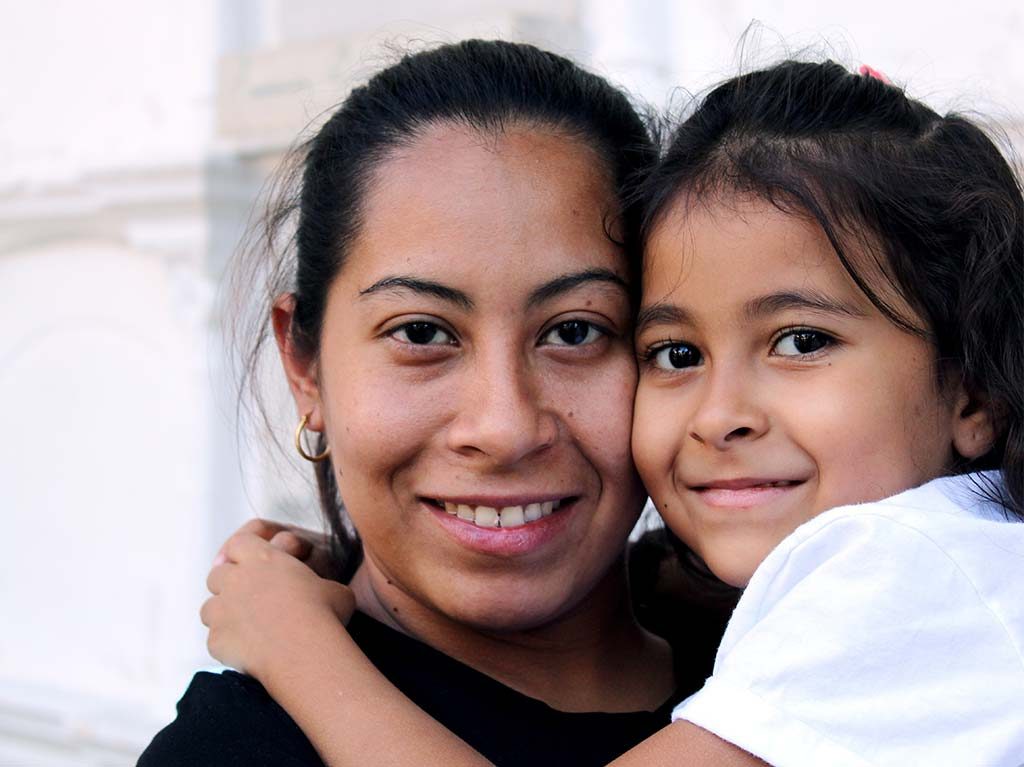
829, 417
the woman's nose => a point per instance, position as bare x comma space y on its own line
728, 411
502, 417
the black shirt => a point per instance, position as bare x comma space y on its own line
229, 719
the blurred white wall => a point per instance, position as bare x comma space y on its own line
133, 140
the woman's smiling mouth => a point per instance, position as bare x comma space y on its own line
492, 514
492, 526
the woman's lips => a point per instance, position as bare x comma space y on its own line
504, 530
744, 493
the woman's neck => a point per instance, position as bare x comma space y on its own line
595, 657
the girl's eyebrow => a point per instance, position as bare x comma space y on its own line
762, 306
773, 303
661, 314
425, 287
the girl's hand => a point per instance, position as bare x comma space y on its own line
311, 547
268, 609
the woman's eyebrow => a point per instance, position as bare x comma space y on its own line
424, 287
567, 282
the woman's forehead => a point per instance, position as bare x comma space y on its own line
522, 207
523, 165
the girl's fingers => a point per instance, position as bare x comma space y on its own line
261, 528
319, 557
216, 577
209, 611
292, 544
246, 545
264, 528
341, 599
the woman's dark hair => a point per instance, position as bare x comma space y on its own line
924, 201
485, 86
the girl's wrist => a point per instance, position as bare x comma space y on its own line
300, 661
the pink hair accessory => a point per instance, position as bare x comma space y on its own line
873, 73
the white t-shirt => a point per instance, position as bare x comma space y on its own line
888, 633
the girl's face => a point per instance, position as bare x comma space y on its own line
476, 369
771, 389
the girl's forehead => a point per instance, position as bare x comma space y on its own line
741, 232
710, 252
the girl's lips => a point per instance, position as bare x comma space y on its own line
739, 494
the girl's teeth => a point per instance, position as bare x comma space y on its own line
509, 516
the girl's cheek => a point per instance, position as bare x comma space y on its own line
654, 442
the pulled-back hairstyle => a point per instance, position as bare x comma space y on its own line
486, 86
929, 199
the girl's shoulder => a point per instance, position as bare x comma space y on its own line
954, 518
954, 500
888, 632
898, 550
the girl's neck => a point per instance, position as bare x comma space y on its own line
595, 657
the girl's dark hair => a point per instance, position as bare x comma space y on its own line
929, 199
486, 86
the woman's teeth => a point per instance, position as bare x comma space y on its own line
507, 516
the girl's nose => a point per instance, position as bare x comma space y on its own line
502, 417
728, 412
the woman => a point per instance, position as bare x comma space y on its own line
457, 328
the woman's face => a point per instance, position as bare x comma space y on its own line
476, 377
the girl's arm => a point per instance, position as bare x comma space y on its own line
683, 743
275, 619
272, 617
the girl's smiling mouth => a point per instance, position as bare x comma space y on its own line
744, 492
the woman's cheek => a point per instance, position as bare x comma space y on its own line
381, 422
611, 415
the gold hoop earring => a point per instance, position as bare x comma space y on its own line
298, 443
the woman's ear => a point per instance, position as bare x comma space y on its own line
300, 369
974, 430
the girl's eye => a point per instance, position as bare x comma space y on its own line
800, 342
422, 334
676, 357
573, 333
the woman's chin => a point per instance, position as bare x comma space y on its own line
506, 610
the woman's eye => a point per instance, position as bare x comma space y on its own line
799, 342
573, 333
676, 357
422, 334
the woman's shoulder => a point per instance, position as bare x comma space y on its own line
228, 718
